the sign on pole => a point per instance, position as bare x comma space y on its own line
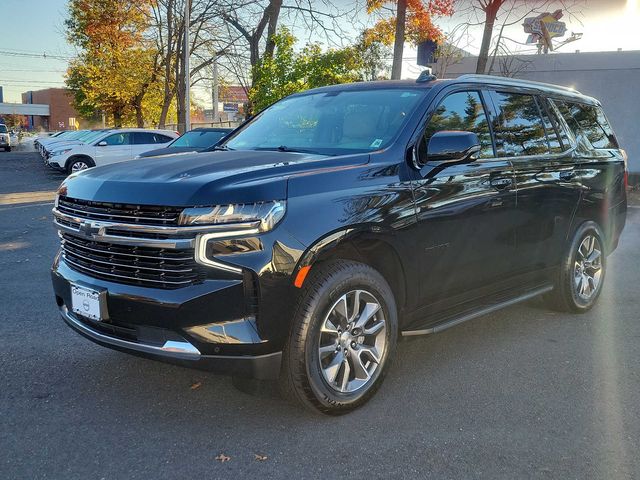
544, 28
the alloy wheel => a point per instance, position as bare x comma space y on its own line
77, 166
352, 341
588, 267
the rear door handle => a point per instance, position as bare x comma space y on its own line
501, 183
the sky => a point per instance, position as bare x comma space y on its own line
34, 52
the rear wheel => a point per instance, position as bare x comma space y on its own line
581, 276
342, 339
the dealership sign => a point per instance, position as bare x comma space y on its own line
544, 27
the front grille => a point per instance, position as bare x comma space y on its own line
119, 212
144, 266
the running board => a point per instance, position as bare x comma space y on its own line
478, 313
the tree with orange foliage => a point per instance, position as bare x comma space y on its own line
117, 68
413, 21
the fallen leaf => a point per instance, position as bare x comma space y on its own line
223, 458
260, 458
196, 385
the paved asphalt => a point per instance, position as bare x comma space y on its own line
523, 393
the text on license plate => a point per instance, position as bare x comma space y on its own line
85, 302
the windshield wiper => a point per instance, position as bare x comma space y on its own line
218, 148
284, 148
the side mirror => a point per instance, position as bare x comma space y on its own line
452, 147
102, 144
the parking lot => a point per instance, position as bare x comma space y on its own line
522, 393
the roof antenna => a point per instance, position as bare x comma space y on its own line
426, 76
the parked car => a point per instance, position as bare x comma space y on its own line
85, 137
195, 140
5, 138
338, 220
105, 147
43, 145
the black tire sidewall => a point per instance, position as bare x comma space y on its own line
358, 277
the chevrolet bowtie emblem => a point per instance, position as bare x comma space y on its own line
89, 229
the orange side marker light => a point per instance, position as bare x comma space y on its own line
302, 274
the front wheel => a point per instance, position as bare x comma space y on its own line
581, 276
343, 336
78, 164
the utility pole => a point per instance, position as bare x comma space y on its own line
187, 69
215, 91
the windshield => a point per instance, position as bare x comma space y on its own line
72, 135
330, 123
198, 138
3, 129
92, 136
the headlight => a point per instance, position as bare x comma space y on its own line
254, 217
60, 152
228, 221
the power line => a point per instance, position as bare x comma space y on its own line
43, 55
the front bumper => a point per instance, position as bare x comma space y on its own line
202, 326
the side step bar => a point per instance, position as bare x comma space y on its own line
478, 313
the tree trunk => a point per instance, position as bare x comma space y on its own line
139, 114
272, 27
398, 46
117, 118
490, 12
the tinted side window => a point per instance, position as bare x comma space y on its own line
591, 122
562, 128
556, 135
162, 138
149, 138
518, 128
118, 139
460, 111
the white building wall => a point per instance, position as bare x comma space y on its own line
611, 77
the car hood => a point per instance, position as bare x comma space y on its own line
62, 144
198, 179
169, 151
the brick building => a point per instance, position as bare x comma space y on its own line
62, 115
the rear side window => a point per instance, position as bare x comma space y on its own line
518, 128
117, 139
149, 138
460, 111
556, 132
588, 121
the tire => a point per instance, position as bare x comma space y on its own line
77, 164
8, 149
579, 281
331, 289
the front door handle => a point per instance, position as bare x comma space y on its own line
567, 175
501, 183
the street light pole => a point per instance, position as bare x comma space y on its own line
187, 69
214, 93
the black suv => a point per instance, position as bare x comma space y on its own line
340, 219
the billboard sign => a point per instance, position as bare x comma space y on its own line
543, 28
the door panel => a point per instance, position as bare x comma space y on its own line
548, 193
465, 215
118, 149
465, 212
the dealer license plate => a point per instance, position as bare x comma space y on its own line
86, 302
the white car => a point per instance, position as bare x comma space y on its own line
5, 138
110, 146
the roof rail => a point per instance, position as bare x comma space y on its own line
516, 82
